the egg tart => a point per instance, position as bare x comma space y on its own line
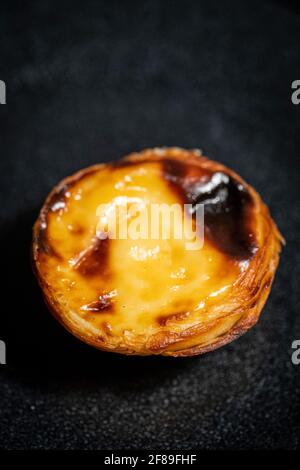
152, 295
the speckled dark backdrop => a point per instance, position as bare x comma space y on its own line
89, 82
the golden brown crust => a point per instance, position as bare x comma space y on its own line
207, 317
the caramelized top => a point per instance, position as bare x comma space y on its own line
124, 285
227, 205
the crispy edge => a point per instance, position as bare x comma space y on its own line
159, 343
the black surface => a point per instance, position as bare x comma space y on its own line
92, 81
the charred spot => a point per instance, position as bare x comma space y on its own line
129, 163
42, 240
55, 203
98, 306
58, 199
227, 204
174, 170
226, 210
103, 304
181, 175
94, 261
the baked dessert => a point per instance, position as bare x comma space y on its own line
152, 295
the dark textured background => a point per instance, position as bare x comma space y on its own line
92, 81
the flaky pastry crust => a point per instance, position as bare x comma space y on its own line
152, 296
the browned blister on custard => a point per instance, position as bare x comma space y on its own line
152, 295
